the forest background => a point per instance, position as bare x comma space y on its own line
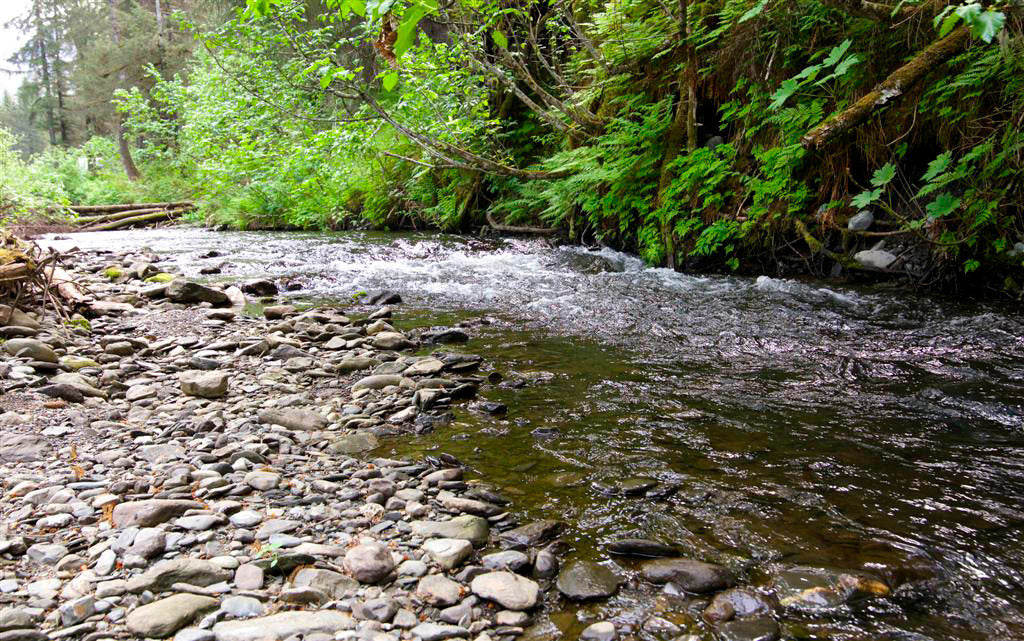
822, 137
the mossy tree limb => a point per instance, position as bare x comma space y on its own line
889, 90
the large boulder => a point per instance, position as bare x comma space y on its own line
583, 580
204, 384
161, 619
472, 528
369, 562
184, 291
151, 512
509, 590
14, 316
875, 258
392, 341
30, 348
283, 625
294, 419
164, 574
690, 575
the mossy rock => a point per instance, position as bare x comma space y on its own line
113, 273
162, 277
79, 323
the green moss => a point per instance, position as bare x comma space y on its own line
79, 323
113, 273
162, 277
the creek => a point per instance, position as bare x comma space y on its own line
759, 423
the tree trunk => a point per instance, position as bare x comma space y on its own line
81, 209
684, 122
122, 144
690, 54
45, 69
58, 72
159, 20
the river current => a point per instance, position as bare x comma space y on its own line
789, 423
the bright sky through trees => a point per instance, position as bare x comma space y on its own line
10, 41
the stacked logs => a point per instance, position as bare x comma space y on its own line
108, 217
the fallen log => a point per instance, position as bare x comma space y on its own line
889, 90
15, 272
512, 229
106, 218
83, 209
136, 220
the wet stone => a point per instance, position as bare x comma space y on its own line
687, 574
510, 590
583, 580
533, 534
756, 629
736, 603
600, 631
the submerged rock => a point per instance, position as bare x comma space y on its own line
533, 534
760, 628
641, 547
584, 580
689, 575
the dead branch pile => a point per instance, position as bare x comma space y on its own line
31, 278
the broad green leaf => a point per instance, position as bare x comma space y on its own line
937, 166
970, 265
865, 198
943, 205
837, 53
969, 12
884, 175
754, 11
845, 65
390, 80
938, 18
948, 24
407, 29
986, 26
500, 39
780, 97
808, 72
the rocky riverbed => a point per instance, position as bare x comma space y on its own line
176, 466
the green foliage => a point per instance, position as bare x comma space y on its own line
26, 188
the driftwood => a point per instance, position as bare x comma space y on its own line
889, 90
66, 286
162, 214
512, 229
83, 209
15, 272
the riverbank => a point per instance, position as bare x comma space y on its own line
179, 447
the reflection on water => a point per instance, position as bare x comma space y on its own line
785, 423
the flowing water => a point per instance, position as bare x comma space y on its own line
799, 424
